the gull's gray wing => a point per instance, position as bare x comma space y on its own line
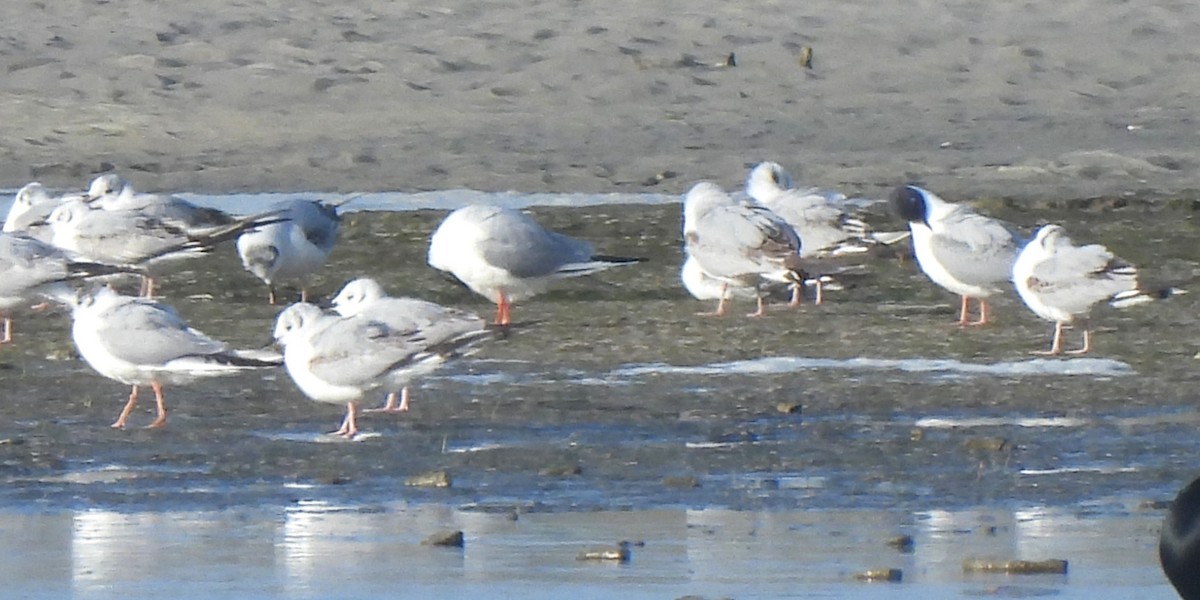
975, 249
150, 334
359, 352
1073, 278
737, 241
518, 244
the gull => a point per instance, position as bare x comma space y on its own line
111, 192
130, 238
817, 215
506, 256
1061, 282
365, 297
291, 249
140, 342
30, 267
957, 248
30, 208
737, 244
338, 360
1179, 542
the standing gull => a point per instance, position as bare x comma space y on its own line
738, 245
365, 297
292, 249
339, 359
506, 256
958, 248
1061, 282
140, 342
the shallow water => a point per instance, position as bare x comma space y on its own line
618, 398
315, 550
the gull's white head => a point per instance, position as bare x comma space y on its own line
294, 319
33, 193
357, 296
702, 198
767, 180
1050, 236
109, 184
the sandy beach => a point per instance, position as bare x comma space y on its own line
1069, 99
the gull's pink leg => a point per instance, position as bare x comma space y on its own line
304, 294
1087, 340
984, 313
1056, 345
7, 331
797, 295
350, 424
390, 405
161, 403
762, 308
271, 294
962, 313
820, 292
133, 397
720, 304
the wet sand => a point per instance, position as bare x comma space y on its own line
975, 98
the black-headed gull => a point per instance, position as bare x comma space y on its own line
366, 297
959, 249
292, 249
339, 360
737, 244
139, 342
1061, 282
506, 256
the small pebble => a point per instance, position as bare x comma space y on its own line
439, 479
889, 575
1015, 567
450, 539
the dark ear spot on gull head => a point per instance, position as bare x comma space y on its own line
908, 202
1179, 542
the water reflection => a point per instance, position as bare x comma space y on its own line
316, 550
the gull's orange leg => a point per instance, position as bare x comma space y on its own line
160, 402
502, 309
133, 397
